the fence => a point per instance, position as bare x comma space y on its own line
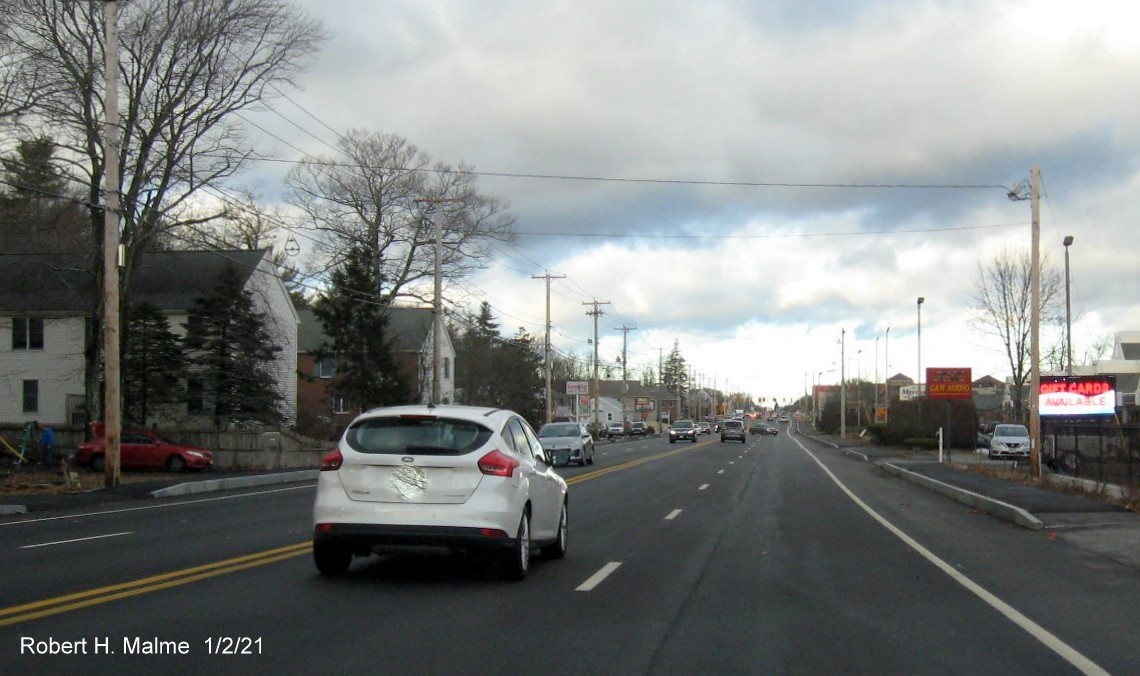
1104, 452
243, 449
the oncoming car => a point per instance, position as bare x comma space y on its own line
567, 442
462, 478
683, 429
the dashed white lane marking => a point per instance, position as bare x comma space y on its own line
720, 471
597, 578
703, 486
672, 515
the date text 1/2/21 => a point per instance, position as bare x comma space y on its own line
233, 645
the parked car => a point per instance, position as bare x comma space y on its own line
567, 442
462, 477
1009, 441
704, 428
615, 429
638, 428
733, 429
682, 430
143, 449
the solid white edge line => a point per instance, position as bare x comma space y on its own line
597, 578
64, 542
1043, 635
672, 515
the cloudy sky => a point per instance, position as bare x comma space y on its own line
751, 179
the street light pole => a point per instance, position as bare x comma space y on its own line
1068, 309
842, 384
921, 300
887, 373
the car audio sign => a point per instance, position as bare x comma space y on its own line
951, 383
1077, 395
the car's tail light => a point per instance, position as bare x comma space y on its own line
497, 463
332, 461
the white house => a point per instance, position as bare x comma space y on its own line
45, 301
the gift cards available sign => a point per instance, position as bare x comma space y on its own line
1077, 395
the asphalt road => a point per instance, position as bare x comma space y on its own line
774, 556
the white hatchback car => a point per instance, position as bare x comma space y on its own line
458, 477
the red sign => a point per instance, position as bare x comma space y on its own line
949, 383
1077, 395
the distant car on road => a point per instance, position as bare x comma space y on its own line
638, 429
615, 429
704, 428
683, 430
762, 429
732, 429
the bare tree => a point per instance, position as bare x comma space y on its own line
1002, 308
189, 68
383, 196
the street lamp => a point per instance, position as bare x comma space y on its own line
1068, 308
921, 300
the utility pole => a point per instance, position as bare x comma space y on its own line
624, 335
595, 313
842, 384
549, 393
112, 375
1035, 324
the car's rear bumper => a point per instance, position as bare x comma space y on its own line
366, 538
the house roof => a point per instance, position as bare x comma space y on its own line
408, 329
170, 280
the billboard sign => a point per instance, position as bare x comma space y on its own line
949, 383
1077, 395
643, 404
908, 392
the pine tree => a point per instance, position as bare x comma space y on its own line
153, 364
232, 350
476, 359
356, 323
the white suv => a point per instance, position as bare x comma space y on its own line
465, 478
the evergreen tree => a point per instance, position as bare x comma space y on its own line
521, 378
356, 323
674, 373
153, 364
476, 359
232, 351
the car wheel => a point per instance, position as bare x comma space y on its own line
176, 463
672, 440
558, 549
332, 560
98, 463
591, 459
516, 562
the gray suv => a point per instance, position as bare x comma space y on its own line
732, 429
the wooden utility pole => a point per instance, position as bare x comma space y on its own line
112, 375
549, 392
1035, 323
624, 335
595, 313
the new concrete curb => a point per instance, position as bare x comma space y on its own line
6, 510
1001, 510
210, 485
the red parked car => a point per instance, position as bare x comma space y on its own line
142, 449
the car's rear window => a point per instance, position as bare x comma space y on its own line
559, 430
733, 423
416, 435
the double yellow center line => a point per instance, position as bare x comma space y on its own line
92, 597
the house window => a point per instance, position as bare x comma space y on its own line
326, 367
194, 396
27, 333
340, 403
446, 367
31, 396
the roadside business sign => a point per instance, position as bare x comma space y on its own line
577, 387
1077, 395
949, 383
909, 392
